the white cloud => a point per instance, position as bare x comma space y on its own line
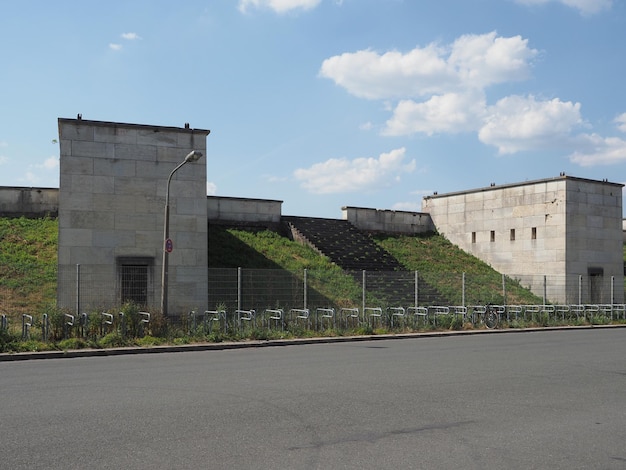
130, 36
211, 188
115, 47
3, 160
279, 6
621, 122
3, 144
585, 7
50, 163
339, 175
597, 150
518, 123
471, 62
449, 113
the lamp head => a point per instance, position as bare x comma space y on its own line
193, 156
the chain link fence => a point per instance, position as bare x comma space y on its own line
235, 294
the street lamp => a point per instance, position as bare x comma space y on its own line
192, 156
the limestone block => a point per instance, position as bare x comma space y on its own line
75, 132
73, 237
76, 166
136, 152
114, 203
136, 221
160, 137
76, 200
115, 167
93, 256
91, 220
115, 134
133, 186
113, 238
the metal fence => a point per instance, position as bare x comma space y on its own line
260, 289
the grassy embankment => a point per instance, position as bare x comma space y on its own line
28, 258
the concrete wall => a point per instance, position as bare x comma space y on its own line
563, 226
388, 221
28, 202
243, 210
111, 204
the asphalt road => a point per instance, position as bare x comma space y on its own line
504, 401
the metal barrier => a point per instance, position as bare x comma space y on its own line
27, 322
349, 315
212, 316
562, 310
460, 311
122, 323
514, 311
245, 316
439, 310
275, 314
144, 321
417, 313
620, 311
84, 324
300, 314
45, 327
578, 310
372, 313
394, 312
107, 320
68, 324
322, 313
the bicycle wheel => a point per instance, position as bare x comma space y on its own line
491, 319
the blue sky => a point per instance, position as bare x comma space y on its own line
327, 103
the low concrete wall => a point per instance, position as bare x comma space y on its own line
28, 202
243, 210
388, 221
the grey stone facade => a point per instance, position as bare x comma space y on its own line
561, 226
113, 180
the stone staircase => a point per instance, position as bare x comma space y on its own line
342, 243
354, 251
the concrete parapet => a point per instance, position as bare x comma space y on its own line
388, 221
28, 202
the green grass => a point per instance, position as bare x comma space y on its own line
442, 264
28, 263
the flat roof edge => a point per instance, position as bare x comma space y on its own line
130, 125
524, 183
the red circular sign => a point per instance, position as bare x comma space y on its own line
169, 245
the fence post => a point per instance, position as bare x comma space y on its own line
3, 322
77, 289
363, 293
503, 289
463, 290
84, 323
45, 325
580, 289
27, 322
416, 290
612, 290
238, 288
545, 287
122, 324
305, 288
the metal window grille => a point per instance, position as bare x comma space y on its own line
134, 283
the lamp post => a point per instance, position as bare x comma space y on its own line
192, 156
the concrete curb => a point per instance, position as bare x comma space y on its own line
74, 353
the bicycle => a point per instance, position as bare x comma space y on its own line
487, 315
